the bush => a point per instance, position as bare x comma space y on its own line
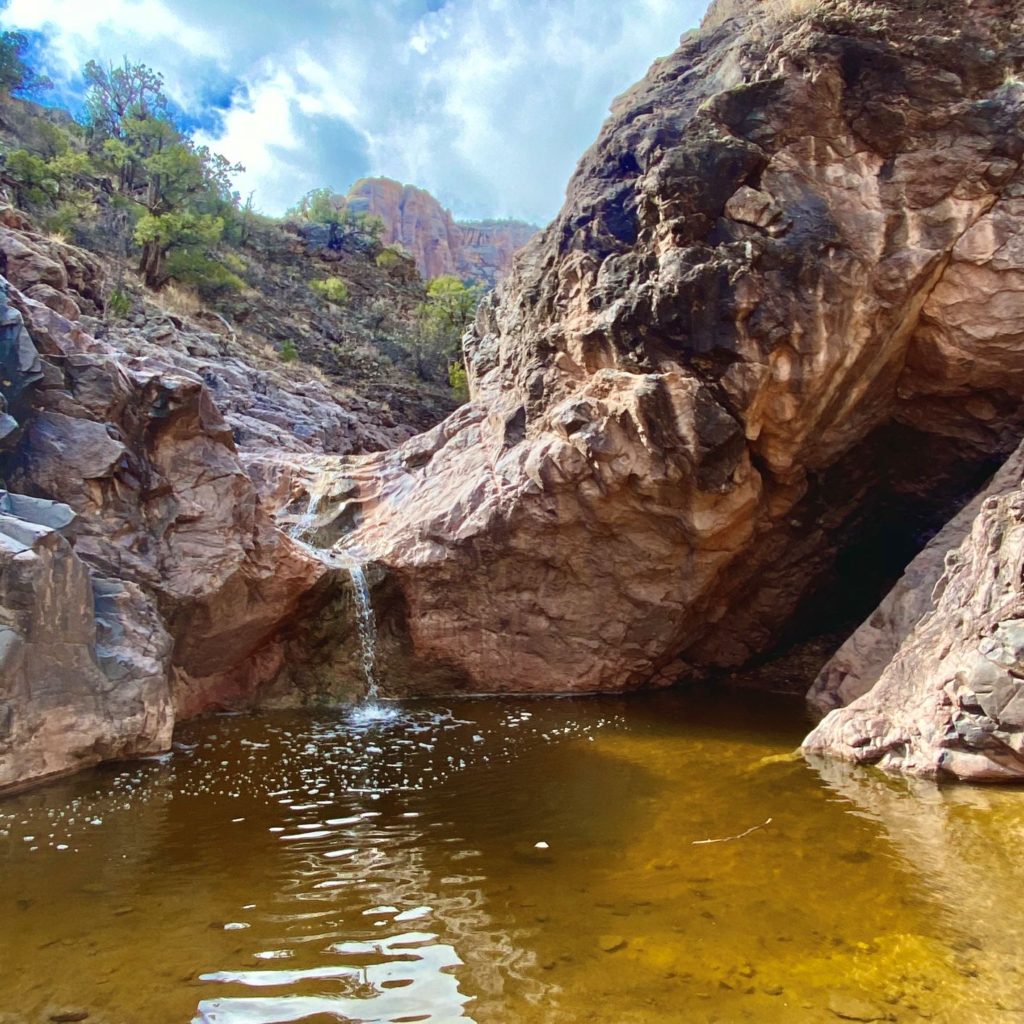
194, 268
233, 262
388, 258
34, 180
119, 305
333, 290
459, 380
288, 353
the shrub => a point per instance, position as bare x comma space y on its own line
195, 269
459, 380
333, 289
233, 262
34, 180
288, 353
119, 305
388, 258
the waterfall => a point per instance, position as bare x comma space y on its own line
298, 530
366, 623
367, 629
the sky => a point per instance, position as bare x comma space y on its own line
488, 104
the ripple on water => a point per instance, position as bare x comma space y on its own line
549, 855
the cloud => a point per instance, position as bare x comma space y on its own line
109, 29
487, 103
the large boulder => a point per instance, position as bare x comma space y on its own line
72, 691
933, 683
693, 383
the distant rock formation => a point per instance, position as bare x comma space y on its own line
480, 251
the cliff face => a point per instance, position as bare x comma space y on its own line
783, 294
142, 579
477, 251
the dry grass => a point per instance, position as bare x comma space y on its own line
182, 301
777, 11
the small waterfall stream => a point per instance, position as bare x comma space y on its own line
367, 630
366, 623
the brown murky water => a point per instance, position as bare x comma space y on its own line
319, 867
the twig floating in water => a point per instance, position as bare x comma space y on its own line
729, 839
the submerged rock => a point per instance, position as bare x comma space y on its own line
612, 943
847, 1006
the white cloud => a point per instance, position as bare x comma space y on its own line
111, 28
487, 103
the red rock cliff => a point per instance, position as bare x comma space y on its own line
480, 250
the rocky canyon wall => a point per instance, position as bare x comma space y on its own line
142, 580
479, 251
785, 292
793, 239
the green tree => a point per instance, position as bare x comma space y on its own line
17, 76
116, 95
184, 191
324, 207
442, 319
39, 181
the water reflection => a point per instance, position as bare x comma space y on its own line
537, 861
964, 843
412, 983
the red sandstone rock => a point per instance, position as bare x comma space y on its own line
413, 218
934, 681
675, 378
793, 240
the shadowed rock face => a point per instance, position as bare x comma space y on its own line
933, 683
790, 235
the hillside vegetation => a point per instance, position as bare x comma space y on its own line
316, 290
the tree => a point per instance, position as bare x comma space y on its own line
183, 190
450, 305
442, 319
324, 207
184, 230
117, 95
16, 75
